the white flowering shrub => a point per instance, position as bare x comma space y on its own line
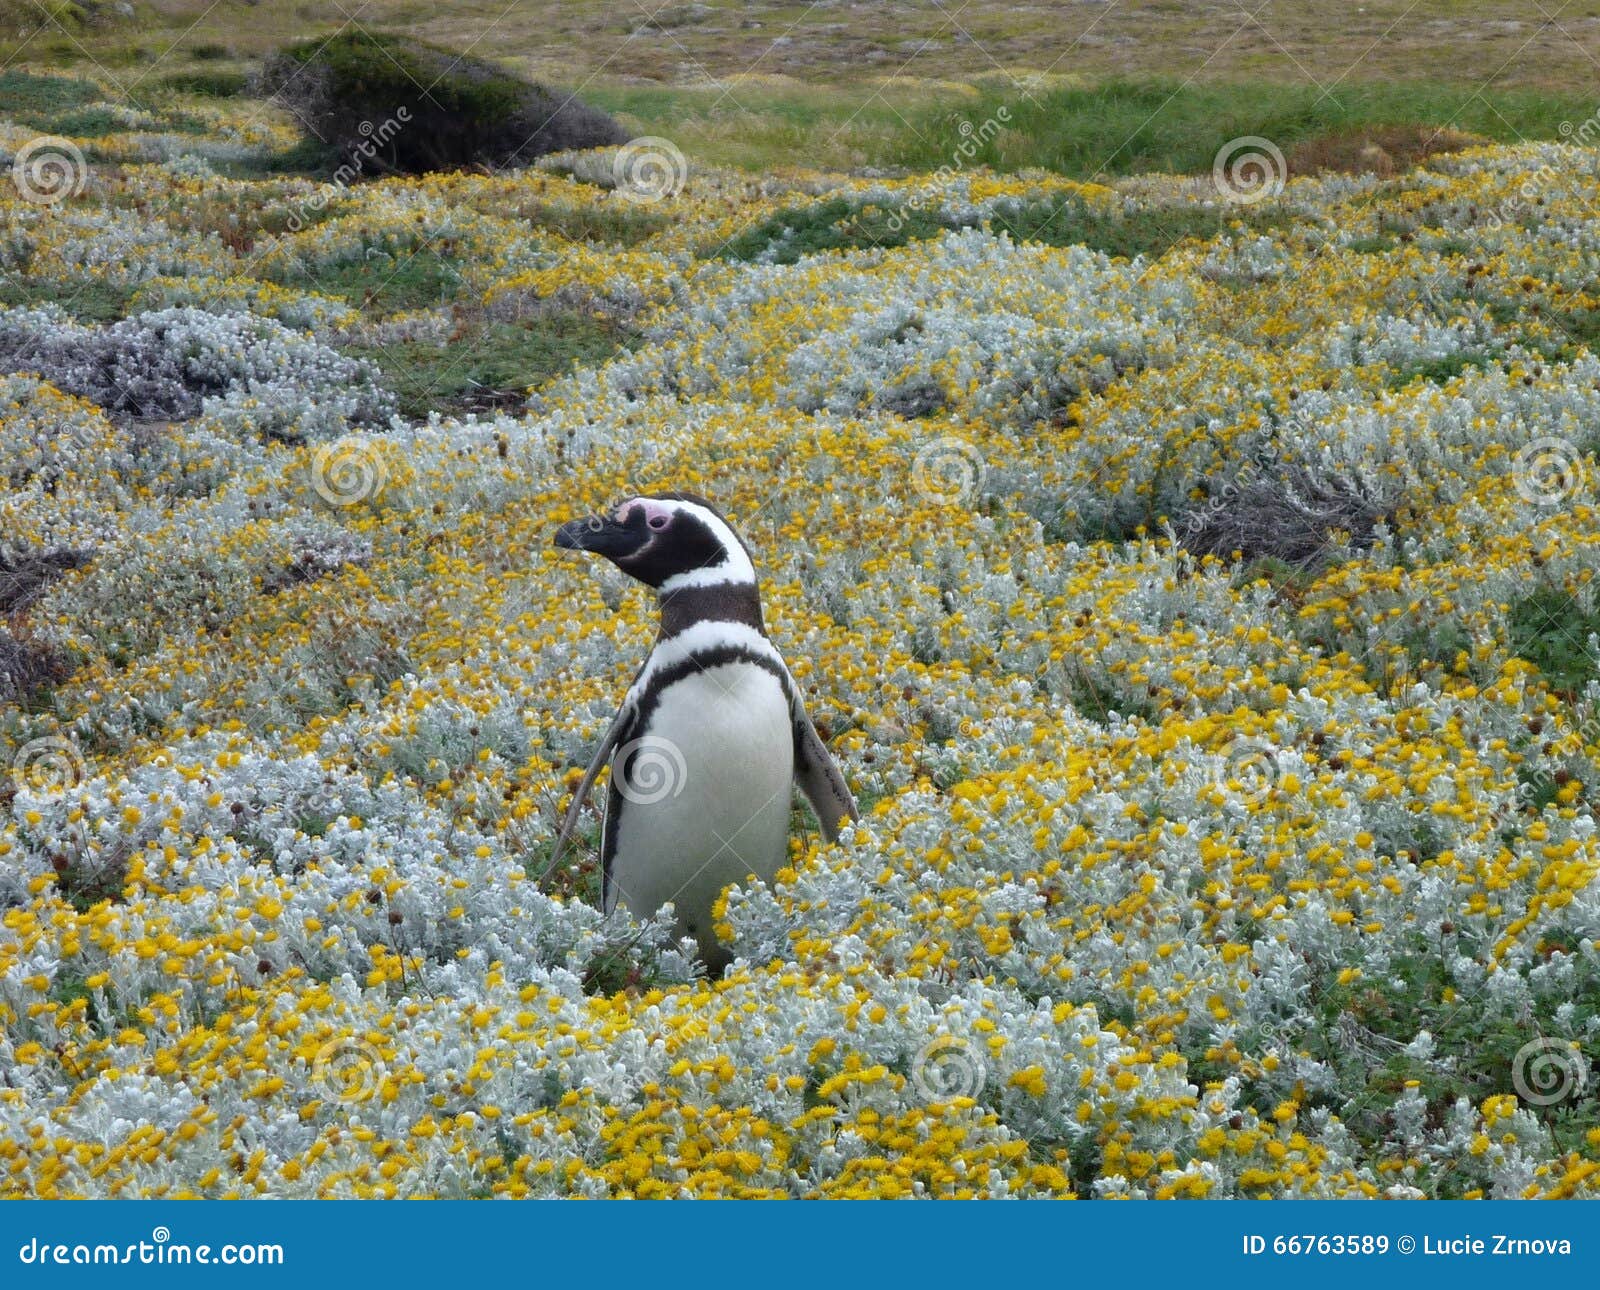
105, 247
252, 373
979, 325
303, 310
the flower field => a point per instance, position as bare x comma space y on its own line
1198, 592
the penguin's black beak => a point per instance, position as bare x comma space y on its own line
578, 535
600, 534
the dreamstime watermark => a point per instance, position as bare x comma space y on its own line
973, 138
48, 170
1250, 770
947, 1067
348, 1070
1506, 210
1546, 1071
1585, 132
649, 169
348, 471
1527, 193
1548, 472
947, 471
1196, 521
356, 162
160, 1249
649, 769
52, 763
1248, 170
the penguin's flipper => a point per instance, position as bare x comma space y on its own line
614, 735
817, 773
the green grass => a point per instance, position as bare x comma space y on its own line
1131, 127
1581, 327
1118, 127
1279, 574
765, 128
87, 302
1484, 1058
209, 82
79, 123
1113, 128
69, 106
494, 364
574, 42
1148, 232
305, 157
1551, 630
385, 284
1437, 370
69, 987
55, 105
842, 224
23, 94
1432, 647
833, 225
614, 223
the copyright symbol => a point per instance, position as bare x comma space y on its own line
1407, 1244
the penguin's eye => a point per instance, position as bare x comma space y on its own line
657, 521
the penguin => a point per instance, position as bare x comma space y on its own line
712, 734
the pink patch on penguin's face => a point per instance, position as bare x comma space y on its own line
656, 514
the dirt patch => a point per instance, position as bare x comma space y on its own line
1379, 150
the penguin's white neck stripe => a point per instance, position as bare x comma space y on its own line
735, 567
715, 575
700, 638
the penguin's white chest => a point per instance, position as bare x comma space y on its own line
711, 807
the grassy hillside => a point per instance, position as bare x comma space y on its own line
1090, 88
1492, 43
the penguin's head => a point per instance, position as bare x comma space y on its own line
667, 541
